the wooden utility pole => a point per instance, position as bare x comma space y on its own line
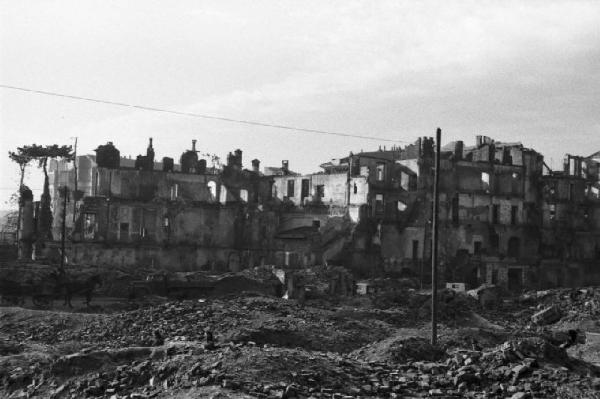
76, 177
349, 181
64, 228
434, 238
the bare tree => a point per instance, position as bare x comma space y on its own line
42, 154
22, 159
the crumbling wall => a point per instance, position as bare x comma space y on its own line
334, 189
172, 223
180, 259
499, 273
485, 153
148, 185
403, 251
297, 219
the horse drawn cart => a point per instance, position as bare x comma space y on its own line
15, 293
29, 281
43, 283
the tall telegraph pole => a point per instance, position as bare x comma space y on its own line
434, 238
64, 227
76, 177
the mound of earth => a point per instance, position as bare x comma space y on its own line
402, 347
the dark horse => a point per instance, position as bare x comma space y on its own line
69, 287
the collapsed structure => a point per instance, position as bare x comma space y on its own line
505, 217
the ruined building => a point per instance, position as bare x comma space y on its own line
145, 213
505, 217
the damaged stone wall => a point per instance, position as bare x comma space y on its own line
147, 185
483, 209
328, 189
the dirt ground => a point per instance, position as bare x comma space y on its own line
269, 347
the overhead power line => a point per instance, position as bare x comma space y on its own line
203, 116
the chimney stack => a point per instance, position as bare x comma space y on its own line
285, 166
458, 150
194, 145
168, 164
255, 165
238, 157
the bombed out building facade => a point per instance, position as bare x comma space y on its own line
505, 217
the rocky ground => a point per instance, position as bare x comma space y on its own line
268, 347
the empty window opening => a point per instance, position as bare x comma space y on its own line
379, 203
405, 181
223, 195
244, 195
320, 191
123, 231
514, 214
495, 213
174, 192
380, 172
148, 222
272, 189
304, 189
212, 190
290, 188
401, 206
355, 188
485, 180
316, 223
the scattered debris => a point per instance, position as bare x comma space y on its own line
549, 315
331, 345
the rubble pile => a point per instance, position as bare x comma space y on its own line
568, 305
256, 318
265, 347
515, 369
452, 306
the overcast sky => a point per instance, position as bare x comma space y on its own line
512, 70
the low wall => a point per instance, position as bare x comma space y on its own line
169, 259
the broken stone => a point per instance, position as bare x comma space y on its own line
548, 315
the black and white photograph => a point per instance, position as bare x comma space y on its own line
285, 199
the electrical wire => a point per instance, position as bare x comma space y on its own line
203, 116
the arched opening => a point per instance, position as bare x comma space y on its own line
223, 196
212, 191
